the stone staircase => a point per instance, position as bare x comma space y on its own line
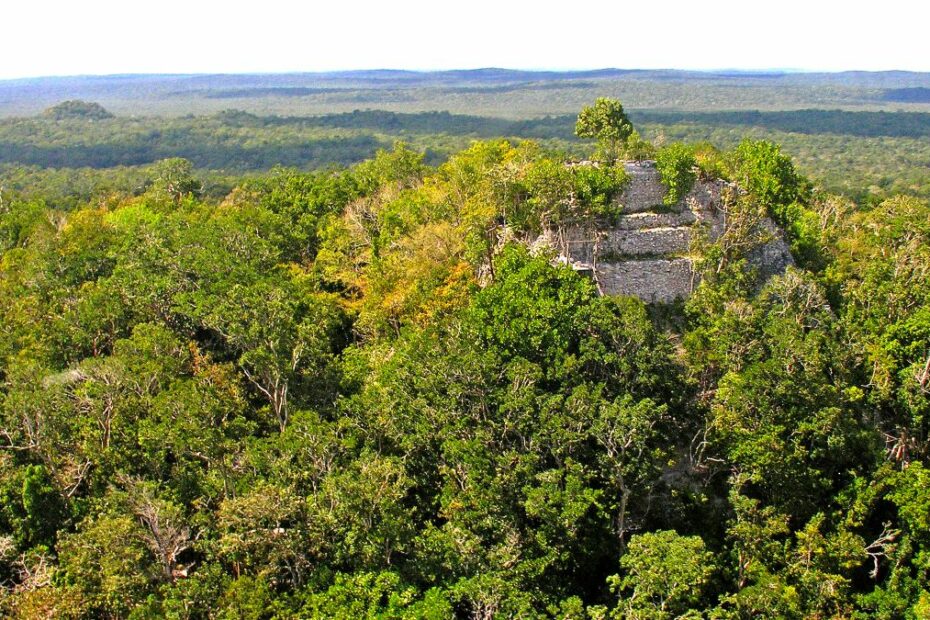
647, 252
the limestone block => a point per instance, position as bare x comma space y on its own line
655, 280
638, 221
645, 191
646, 242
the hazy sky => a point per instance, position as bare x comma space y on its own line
43, 37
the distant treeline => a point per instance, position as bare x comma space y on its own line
917, 94
214, 156
560, 127
240, 141
863, 124
300, 91
280, 91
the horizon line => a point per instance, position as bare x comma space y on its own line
719, 71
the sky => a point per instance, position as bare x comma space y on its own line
96, 37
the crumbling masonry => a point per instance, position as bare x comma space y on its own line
647, 252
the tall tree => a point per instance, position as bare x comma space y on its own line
606, 122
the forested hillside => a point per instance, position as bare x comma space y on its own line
362, 392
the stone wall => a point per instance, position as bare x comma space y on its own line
652, 280
648, 242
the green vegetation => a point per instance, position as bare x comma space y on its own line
605, 122
863, 168
675, 163
356, 392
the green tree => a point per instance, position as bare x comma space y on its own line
174, 179
606, 122
376, 595
44, 509
665, 576
283, 333
262, 533
108, 561
770, 176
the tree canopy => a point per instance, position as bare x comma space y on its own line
607, 123
366, 392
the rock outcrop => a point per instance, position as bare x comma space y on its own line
648, 252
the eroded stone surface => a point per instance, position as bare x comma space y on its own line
619, 244
637, 221
645, 190
654, 280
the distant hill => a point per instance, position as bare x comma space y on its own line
76, 109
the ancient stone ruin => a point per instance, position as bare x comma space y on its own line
648, 252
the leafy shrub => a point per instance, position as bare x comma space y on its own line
676, 165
